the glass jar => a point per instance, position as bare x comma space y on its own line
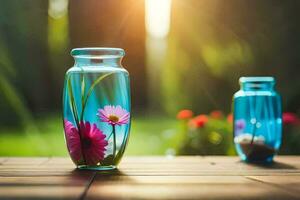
257, 119
96, 108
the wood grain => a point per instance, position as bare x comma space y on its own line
197, 177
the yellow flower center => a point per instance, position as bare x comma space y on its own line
113, 118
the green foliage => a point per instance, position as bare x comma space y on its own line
151, 135
214, 138
290, 139
206, 53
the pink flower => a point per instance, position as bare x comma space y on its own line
92, 143
114, 115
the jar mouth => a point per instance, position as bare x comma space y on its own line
257, 79
98, 52
257, 83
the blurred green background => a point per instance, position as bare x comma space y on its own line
180, 54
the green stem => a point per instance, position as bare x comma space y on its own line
75, 115
121, 150
109, 136
83, 106
81, 145
82, 91
84, 101
72, 102
115, 141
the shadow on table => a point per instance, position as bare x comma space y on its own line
111, 173
103, 177
114, 172
273, 165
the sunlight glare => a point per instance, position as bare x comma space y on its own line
157, 16
58, 8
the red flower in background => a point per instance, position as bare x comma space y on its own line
230, 118
185, 114
216, 114
199, 121
290, 118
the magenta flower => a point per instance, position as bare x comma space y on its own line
91, 142
114, 115
73, 141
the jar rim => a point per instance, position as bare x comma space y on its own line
98, 52
257, 79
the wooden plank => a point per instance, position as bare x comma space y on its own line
33, 167
36, 180
36, 172
288, 159
24, 161
76, 180
280, 161
212, 177
40, 192
159, 166
182, 187
289, 183
2, 160
59, 161
61, 172
216, 165
190, 178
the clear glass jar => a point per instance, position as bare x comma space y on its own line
96, 108
257, 119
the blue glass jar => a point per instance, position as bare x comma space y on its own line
96, 108
257, 119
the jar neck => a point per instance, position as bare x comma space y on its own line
98, 57
98, 62
257, 83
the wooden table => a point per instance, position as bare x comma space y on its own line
151, 178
